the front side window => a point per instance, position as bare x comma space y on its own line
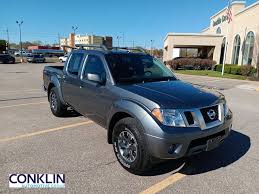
94, 65
137, 68
248, 49
236, 49
74, 63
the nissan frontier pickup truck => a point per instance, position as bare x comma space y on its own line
149, 114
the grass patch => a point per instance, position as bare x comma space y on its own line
210, 74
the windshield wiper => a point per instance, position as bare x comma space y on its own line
130, 80
145, 79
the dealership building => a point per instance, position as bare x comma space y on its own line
241, 33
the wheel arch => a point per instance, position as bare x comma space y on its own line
54, 82
123, 109
115, 118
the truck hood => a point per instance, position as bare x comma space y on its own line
174, 94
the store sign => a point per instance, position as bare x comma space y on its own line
220, 20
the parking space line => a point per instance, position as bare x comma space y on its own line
29, 92
26, 104
44, 131
18, 91
163, 184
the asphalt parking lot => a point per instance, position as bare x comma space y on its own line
32, 140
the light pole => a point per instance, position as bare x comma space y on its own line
118, 39
151, 47
8, 41
123, 39
74, 28
20, 30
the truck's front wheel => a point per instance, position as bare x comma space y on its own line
56, 107
129, 146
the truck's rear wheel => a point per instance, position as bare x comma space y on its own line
56, 107
129, 146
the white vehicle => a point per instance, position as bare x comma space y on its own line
18, 53
63, 58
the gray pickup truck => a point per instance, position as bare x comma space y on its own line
149, 114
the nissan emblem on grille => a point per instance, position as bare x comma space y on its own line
212, 114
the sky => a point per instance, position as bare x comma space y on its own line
136, 20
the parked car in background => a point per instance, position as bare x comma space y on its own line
63, 59
35, 58
7, 58
48, 52
19, 53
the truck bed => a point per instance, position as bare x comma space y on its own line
51, 71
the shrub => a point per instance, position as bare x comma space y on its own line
191, 63
219, 67
235, 70
247, 70
229, 68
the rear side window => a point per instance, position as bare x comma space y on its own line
93, 65
74, 63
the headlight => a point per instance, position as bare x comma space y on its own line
169, 117
226, 109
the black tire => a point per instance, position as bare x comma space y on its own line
56, 106
142, 161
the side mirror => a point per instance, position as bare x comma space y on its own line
96, 78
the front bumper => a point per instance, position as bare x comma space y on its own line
176, 143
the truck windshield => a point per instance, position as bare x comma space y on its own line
134, 68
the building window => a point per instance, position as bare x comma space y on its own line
218, 30
236, 49
248, 49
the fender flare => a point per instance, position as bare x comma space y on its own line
129, 107
55, 81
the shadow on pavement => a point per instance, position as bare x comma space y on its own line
233, 148
71, 113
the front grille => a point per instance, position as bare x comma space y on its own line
210, 114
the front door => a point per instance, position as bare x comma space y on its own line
93, 96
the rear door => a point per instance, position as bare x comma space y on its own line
71, 82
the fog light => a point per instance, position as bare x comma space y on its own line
171, 149
175, 149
